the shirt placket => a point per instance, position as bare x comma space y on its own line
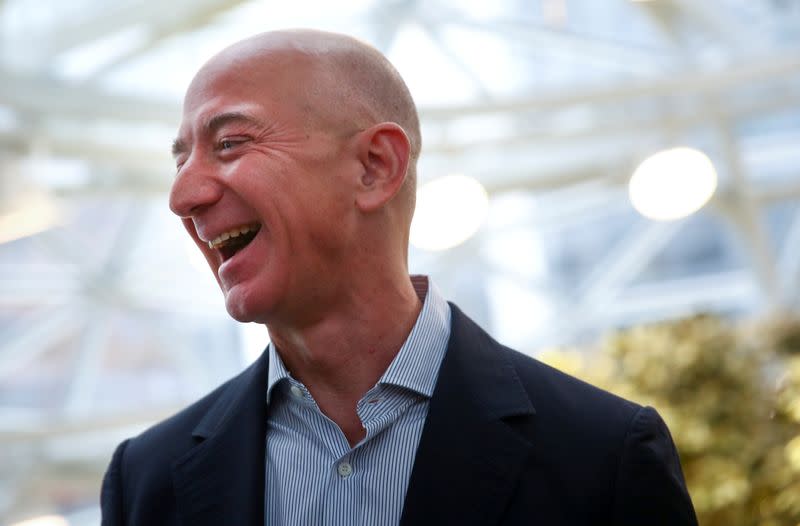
342, 504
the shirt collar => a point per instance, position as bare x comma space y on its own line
416, 365
277, 370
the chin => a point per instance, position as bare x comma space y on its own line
238, 309
241, 317
245, 315
243, 310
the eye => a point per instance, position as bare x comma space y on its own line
228, 143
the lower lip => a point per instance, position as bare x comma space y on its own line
231, 267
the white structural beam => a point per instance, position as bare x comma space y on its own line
168, 24
150, 169
600, 292
731, 33
681, 297
111, 17
86, 368
434, 32
386, 19
41, 95
154, 176
49, 96
44, 428
547, 41
745, 214
35, 335
608, 125
624, 262
693, 82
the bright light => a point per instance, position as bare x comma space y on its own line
672, 184
46, 520
253, 338
31, 213
196, 258
450, 209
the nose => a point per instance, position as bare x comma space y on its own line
194, 188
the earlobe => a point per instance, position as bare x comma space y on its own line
384, 153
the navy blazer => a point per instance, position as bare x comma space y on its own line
508, 440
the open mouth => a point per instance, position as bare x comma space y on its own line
230, 242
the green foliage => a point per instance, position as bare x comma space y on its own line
731, 397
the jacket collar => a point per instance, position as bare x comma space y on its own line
469, 458
466, 465
221, 480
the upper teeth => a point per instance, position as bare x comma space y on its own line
234, 232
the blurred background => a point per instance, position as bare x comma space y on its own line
613, 186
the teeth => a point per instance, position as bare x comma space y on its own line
234, 232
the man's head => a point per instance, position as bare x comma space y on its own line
296, 161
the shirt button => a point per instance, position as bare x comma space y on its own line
344, 469
296, 391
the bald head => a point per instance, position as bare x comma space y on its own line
340, 83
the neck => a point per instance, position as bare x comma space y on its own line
345, 353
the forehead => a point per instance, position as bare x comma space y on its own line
275, 73
277, 87
234, 92
210, 90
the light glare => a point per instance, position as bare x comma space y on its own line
449, 211
672, 184
45, 520
32, 213
196, 258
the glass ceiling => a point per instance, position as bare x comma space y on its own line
108, 321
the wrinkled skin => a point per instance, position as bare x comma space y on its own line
265, 165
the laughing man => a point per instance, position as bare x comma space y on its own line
376, 402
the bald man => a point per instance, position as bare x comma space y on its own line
376, 402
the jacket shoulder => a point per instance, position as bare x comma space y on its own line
146, 460
556, 394
170, 437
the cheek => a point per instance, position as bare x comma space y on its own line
333, 230
299, 201
258, 182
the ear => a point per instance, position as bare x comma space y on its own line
383, 151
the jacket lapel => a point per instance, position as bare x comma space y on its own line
469, 459
221, 480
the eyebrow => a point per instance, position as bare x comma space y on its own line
215, 123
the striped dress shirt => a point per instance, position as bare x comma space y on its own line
313, 476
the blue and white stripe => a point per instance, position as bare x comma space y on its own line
313, 477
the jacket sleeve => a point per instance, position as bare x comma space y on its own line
650, 488
111, 493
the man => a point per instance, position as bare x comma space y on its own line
377, 402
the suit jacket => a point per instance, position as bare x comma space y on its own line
508, 440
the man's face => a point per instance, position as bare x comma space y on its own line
269, 191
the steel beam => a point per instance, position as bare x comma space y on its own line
745, 215
108, 18
34, 335
196, 15
50, 96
